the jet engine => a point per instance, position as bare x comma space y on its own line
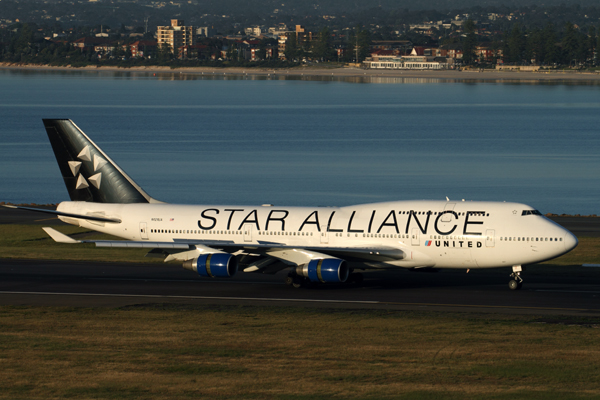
325, 270
219, 265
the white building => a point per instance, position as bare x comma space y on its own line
404, 62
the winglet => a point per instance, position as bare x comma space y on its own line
59, 237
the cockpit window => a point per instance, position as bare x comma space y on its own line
531, 212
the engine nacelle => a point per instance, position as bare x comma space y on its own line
325, 270
220, 265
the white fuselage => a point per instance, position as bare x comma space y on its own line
438, 234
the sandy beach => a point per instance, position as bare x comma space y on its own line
346, 72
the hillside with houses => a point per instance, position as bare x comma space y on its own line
522, 37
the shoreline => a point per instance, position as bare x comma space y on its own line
345, 72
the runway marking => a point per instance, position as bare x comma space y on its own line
158, 296
194, 297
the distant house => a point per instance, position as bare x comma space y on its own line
487, 54
143, 48
401, 47
454, 51
196, 51
91, 43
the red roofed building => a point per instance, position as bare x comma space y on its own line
143, 48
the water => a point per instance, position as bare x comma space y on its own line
299, 142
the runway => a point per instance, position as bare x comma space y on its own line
60, 283
572, 291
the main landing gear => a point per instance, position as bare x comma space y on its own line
516, 282
296, 281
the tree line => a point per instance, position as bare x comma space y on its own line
566, 46
547, 46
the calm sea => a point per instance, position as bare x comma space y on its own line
210, 139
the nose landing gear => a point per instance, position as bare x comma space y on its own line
516, 282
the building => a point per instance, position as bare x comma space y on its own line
196, 51
143, 48
253, 31
205, 31
385, 59
281, 39
303, 37
398, 46
176, 36
91, 43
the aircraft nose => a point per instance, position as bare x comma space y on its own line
570, 241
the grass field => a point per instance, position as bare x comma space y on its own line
172, 352
31, 242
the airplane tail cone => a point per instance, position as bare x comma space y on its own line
89, 174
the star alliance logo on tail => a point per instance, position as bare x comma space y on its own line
95, 180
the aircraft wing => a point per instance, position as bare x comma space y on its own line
184, 249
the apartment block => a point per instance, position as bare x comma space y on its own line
176, 36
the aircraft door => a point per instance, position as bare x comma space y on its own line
415, 237
144, 230
324, 234
247, 233
489, 238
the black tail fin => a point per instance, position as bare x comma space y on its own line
90, 175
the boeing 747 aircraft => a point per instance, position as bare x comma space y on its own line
316, 244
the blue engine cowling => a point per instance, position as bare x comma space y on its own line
219, 265
325, 270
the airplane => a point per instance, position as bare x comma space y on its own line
316, 244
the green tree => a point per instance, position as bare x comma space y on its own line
551, 50
291, 52
322, 49
597, 48
515, 45
22, 44
570, 44
359, 42
164, 53
592, 44
469, 42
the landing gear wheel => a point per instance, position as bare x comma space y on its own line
514, 285
297, 282
289, 280
516, 282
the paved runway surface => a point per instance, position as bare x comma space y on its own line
114, 285
89, 284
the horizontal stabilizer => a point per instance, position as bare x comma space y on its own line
63, 214
59, 237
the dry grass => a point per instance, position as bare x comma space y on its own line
276, 353
31, 242
586, 252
